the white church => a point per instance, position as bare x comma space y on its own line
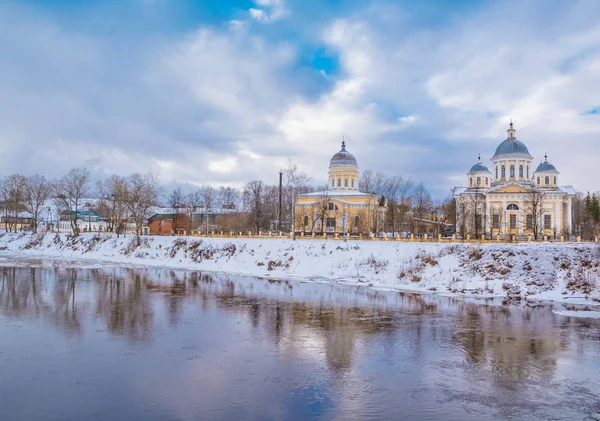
515, 200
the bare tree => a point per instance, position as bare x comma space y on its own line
111, 194
476, 210
366, 182
323, 212
37, 191
176, 200
193, 200
253, 202
69, 192
532, 205
422, 205
142, 193
229, 197
296, 182
13, 193
209, 196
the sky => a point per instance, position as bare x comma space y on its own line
223, 92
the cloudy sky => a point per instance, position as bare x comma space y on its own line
223, 92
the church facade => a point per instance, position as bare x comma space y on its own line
342, 208
514, 200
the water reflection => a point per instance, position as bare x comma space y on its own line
308, 350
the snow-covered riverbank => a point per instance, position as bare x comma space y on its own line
569, 273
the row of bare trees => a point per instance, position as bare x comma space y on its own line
119, 198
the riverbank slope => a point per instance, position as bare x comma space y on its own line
569, 273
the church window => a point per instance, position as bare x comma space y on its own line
538, 180
356, 222
528, 172
554, 180
345, 182
529, 222
496, 221
547, 222
496, 172
547, 180
503, 171
333, 182
512, 171
478, 181
332, 206
486, 181
352, 182
305, 221
478, 220
521, 171
512, 206
513, 221
339, 182
470, 181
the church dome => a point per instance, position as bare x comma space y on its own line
546, 166
511, 146
479, 167
343, 159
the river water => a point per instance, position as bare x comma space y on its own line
117, 343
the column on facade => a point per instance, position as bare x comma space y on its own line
558, 216
503, 216
522, 222
569, 216
487, 223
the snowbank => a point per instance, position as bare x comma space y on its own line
569, 273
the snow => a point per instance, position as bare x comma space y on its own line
562, 272
581, 313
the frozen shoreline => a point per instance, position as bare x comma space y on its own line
568, 273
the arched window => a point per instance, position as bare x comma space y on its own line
306, 220
512, 206
352, 182
512, 171
486, 181
356, 222
528, 172
547, 180
479, 181
555, 180
333, 182
470, 181
345, 182
503, 171
496, 172
538, 181
339, 182
521, 171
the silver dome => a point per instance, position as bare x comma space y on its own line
343, 159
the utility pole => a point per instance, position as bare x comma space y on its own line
293, 213
280, 193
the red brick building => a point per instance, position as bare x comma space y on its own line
168, 224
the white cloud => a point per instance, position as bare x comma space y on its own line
270, 11
229, 104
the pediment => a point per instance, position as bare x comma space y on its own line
511, 188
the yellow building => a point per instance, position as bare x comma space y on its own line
513, 201
342, 208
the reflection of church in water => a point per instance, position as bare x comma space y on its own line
515, 199
342, 207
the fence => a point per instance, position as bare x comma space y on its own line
387, 237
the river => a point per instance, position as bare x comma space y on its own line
113, 343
